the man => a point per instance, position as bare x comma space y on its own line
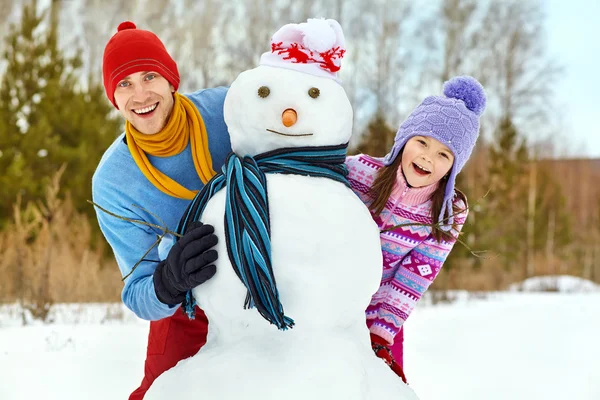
171, 147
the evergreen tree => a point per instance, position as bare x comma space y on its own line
552, 219
47, 117
378, 139
472, 235
502, 214
497, 223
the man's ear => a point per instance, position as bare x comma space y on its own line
172, 88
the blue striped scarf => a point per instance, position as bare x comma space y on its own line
247, 225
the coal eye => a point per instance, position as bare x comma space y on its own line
263, 91
314, 92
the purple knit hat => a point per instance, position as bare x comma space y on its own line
454, 121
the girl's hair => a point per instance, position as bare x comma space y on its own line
384, 184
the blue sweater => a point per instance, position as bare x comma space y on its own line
118, 184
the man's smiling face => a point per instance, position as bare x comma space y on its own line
145, 99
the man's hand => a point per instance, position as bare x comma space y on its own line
381, 349
190, 263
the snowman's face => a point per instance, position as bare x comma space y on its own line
269, 108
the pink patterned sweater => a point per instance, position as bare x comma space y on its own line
412, 258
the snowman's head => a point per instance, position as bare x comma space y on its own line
268, 108
294, 97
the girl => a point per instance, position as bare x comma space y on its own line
412, 198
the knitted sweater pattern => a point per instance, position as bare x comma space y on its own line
412, 258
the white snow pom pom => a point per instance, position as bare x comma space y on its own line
319, 36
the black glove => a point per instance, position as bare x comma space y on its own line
189, 264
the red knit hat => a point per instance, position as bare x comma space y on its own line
133, 50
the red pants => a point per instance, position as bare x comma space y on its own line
171, 340
398, 348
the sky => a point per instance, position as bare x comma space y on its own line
573, 33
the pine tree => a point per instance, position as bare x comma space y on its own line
47, 117
502, 220
553, 232
471, 181
497, 223
378, 139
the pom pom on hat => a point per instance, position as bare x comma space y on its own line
126, 25
318, 35
468, 90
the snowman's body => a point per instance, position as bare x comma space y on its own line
326, 258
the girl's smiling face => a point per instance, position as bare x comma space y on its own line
425, 161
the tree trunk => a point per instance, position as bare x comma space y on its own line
550, 241
530, 271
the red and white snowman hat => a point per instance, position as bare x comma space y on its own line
315, 47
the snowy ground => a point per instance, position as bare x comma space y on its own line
514, 346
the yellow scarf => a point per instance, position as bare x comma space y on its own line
170, 141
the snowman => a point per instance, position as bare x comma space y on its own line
300, 256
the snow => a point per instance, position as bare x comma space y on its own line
325, 280
322, 121
510, 346
326, 257
90, 351
517, 346
556, 283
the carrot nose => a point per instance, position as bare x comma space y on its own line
289, 117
